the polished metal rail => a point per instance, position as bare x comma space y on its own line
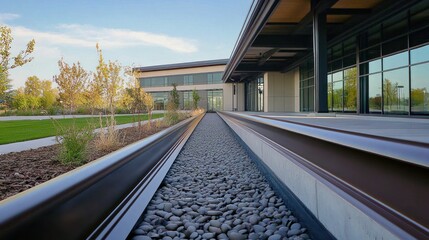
388, 176
100, 200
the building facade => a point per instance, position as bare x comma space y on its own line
364, 57
205, 77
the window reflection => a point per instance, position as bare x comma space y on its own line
420, 88
420, 54
374, 94
394, 61
337, 96
396, 91
350, 86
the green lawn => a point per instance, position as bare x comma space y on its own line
23, 130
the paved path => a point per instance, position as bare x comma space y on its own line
43, 142
407, 128
12, 118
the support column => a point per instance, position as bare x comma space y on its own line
320, 61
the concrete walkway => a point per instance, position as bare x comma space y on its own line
406, 128
13, 118
43, 142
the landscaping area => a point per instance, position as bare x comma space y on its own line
23, 130
20, 171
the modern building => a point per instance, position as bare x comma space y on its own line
204, 76
365, 57
347, 56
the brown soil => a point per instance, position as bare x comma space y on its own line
20, 171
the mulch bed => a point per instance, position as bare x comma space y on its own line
20, 171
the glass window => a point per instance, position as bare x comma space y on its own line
370, 53
374, 66
420, 88
217, 78
374, 93
337, 76
395, 45
419, 37
349, 60
337, 51
420, 54
350, 89
396, 91
337, 96
374, 35
330, 93
350, 46
419, 15
395, 26
337, 65
394, 61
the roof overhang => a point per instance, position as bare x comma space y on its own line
278, 34
182, 65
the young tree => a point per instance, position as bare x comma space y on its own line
174, 97
20, 100
110, 75
195, 98
49, 95
33, 86
22, 58
149, 104
71, 81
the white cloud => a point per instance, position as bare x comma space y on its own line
4, 17
88, 36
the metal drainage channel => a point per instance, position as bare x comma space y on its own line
388, 176
100, 200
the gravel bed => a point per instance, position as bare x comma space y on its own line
214, 191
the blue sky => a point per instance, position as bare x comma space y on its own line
135, 33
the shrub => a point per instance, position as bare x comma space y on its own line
108, 138
73, 142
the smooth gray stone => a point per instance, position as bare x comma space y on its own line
140, 237
258, 228
215, 223
293, 232
275, 237
232, 207
172, 226
214, 213
295, 226
283, 231
215, 230
208, 235
172, 233
167, 207
237, 221
193, 235
225, 227
191, 229
139, 231
177, 212
254, 219
253, 236
146, 228
222, 236
236, 235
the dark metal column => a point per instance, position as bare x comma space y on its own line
320, 61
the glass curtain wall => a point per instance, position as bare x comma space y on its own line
394, 63
215, 100
180, 80
209, 99
342, 77
255, 95
306, 86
